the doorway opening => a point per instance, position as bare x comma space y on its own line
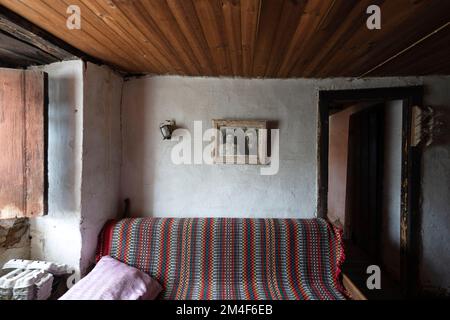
369, 183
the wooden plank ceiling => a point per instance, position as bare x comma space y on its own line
253, 38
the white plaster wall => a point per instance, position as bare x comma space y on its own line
100, 199
158, 187
435, 262
56, 237
83, 162
390, 230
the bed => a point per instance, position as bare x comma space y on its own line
221, 258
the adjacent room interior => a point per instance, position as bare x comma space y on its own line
224, 149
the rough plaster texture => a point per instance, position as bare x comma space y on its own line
83, 162
435, 218
56, 237
159, 188
14, 240
392, 164
100, 199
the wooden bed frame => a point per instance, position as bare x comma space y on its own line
351, 288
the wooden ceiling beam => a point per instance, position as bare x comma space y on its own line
23, 30
20, 53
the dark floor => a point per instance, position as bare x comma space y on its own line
355, 266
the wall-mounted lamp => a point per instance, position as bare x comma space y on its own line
167, 128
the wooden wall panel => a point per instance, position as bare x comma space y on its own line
250, 38
11, 143
35, 146
22, 143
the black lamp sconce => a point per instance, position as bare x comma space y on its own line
167, 128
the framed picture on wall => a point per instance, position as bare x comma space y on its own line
241, 142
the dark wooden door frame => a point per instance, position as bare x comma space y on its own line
333, 101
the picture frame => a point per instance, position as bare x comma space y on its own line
240, 142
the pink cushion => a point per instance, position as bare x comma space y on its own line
114, 280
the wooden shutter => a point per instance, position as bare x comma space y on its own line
22, 143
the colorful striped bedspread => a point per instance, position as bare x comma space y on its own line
221, 258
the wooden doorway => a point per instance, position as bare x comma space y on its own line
333, 101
